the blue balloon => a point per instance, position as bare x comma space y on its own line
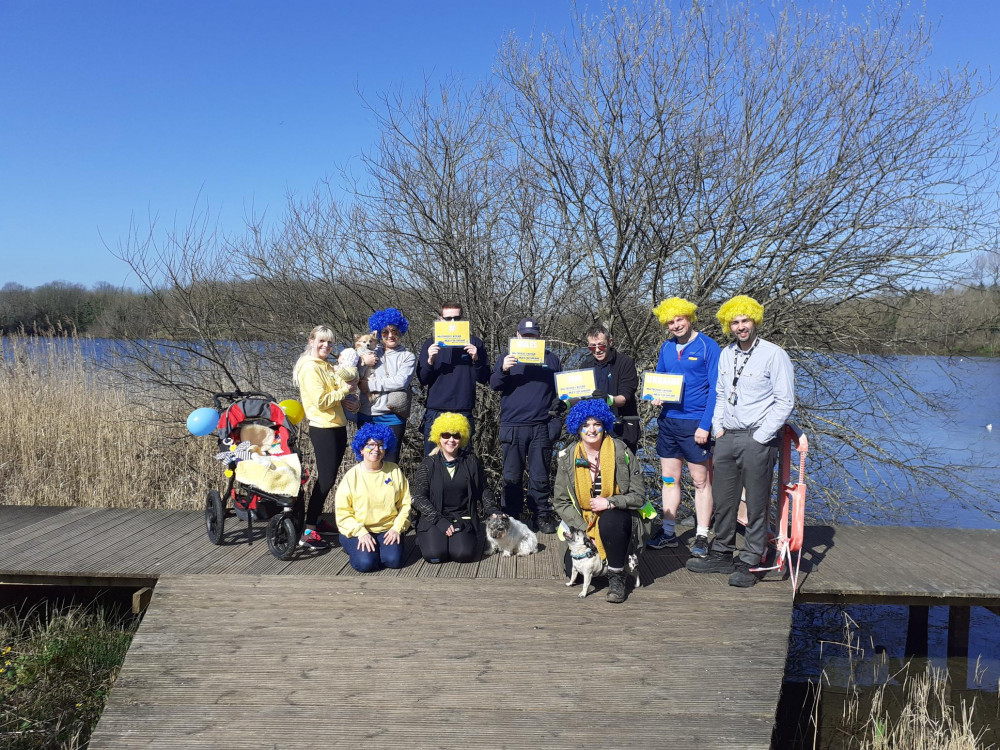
202, 421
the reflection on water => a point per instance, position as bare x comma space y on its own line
864, 646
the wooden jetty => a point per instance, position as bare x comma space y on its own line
239, 649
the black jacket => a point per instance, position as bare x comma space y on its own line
620, 379
426, 489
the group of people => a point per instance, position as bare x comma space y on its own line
725, 426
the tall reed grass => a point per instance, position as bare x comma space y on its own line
70, 436
904, 709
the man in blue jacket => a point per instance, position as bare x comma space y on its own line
526, 392
684, 426
450, 374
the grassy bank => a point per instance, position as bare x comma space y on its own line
71, 437
57, 666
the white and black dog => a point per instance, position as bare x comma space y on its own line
509, 536
588, 563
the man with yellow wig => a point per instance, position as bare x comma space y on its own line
684, 427
755, 395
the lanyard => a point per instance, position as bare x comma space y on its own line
739, 370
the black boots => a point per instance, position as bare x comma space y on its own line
616, 586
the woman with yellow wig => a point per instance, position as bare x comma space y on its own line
448, 488
685, 425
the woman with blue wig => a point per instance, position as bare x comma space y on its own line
373, 503
391, 370
599, 490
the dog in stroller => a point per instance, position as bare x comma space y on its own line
263, 470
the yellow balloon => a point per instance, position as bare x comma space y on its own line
293, 410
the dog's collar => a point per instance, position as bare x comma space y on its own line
585, 555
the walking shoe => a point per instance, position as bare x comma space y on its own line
547, 523
742, 576
325, 527
700, 546
616, 586
715, 562
662, 539
311, 540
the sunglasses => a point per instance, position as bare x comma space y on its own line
451, 435
390, 332
374, 447
597, 347
451, 317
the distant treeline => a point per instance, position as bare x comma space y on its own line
959, 321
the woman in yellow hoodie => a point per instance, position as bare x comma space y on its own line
322, 394
373, 503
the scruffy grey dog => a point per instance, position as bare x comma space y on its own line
509, 536
588, 563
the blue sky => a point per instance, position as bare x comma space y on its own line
114, 109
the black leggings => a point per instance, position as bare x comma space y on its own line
436, 547
616, 535
397, 430
329, 445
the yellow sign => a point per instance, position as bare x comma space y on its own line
451, 332
528, 351
661, 386
575, 384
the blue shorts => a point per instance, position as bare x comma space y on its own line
676, 440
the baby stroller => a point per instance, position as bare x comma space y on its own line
265, 478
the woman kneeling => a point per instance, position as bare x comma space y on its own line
447, 489
373, 503
599, 489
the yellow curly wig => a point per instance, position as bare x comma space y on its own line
451, 422
670, 308
740, 305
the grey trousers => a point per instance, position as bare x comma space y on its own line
740, 462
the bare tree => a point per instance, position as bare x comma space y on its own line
814, 163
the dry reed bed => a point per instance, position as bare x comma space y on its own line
72, 438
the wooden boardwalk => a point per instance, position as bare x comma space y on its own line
238, 649
302, 662
137, 547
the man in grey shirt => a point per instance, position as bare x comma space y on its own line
755, 395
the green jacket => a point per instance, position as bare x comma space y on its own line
632, 494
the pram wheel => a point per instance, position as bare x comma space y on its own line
282, 538
215, 517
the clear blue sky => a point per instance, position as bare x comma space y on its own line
114, 108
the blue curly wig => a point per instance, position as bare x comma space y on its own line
373, 431
388, 317
584, 410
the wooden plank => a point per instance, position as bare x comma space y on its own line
17, 517
489, 656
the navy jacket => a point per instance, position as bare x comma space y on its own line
527, 391
451, 380
617, 376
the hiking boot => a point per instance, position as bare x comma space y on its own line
742, 577
700, 546
662, 539
715, 562
311, 540
325, 527
547, 523
616, 586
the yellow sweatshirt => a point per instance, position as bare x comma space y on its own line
374, 501
321, 393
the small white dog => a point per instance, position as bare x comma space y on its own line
510, 537
363, 343
588, 563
